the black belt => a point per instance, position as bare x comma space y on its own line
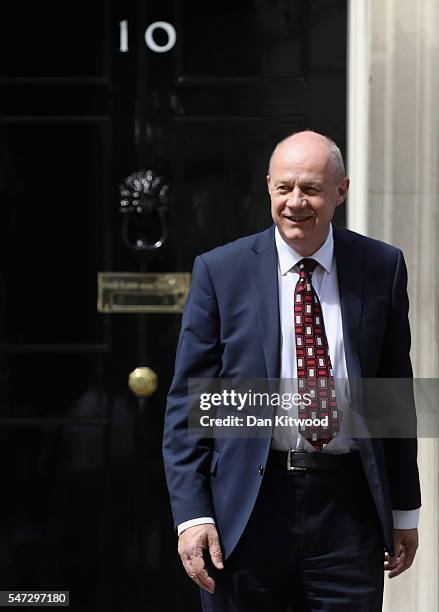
302, 461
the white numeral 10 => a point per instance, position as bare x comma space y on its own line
149, 36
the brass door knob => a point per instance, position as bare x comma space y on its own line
143, 382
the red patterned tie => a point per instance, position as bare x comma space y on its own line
314, 369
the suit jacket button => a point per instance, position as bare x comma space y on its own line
261, 470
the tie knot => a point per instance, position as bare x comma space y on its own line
307, 266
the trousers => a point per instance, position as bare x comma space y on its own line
313, 543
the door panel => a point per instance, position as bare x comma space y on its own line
52, 230
50, 473
246, 40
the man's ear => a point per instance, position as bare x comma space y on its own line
268, 183
342, 191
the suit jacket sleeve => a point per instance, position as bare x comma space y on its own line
187, 460
400, 454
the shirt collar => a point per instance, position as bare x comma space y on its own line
288, 257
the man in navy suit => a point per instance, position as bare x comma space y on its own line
265, 523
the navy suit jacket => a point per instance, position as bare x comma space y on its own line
231, 329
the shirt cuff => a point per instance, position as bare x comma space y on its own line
405, 519
198, 521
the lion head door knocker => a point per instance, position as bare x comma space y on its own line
143, 203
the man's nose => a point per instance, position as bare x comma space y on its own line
296, 198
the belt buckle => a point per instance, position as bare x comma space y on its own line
293, 468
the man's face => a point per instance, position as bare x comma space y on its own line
304, 191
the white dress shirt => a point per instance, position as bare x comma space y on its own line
325, 283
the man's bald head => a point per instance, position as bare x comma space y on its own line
306, 183
308, 138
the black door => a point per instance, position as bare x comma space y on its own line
90, 93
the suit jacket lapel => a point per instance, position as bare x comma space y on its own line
350, 284
349, 275
262, 265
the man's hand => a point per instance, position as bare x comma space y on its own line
406, 543
191, 544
